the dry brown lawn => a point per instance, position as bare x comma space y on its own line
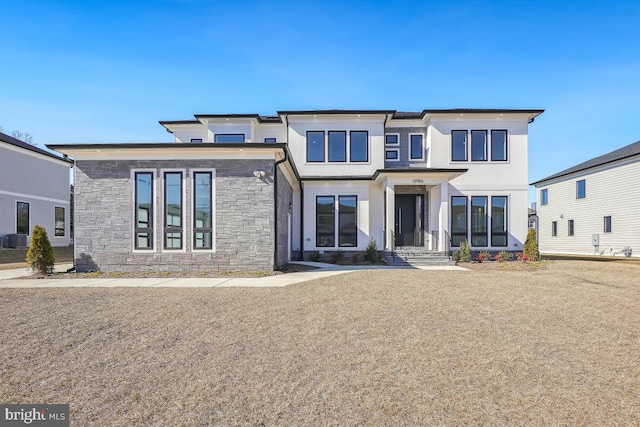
555, 346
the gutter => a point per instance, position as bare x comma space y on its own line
275, 207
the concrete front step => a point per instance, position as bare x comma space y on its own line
417, 257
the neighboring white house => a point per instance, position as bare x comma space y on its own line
592, 208
427, 180
34, 190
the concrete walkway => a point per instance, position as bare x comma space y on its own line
9, 278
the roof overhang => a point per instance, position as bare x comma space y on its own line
440, 174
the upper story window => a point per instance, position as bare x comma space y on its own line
359, 146
581, 189
392, 154
498, 145
337, 146
229, 138
196, 140
459, 145
270, 140
392, 139
315, 146
478, 145
416, 149
544, 196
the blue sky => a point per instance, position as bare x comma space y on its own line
107, 71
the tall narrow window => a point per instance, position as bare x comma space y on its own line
202, 210
499, 221
458, 220
607, 224
347, 221
59, 221
479, 221
325, 221
581, 189
554, 228
315, 146
143, 210
498, 145
229, 138
416, 147
459, 145
337, 146
22, 218
359, 146
571, 227
544, 196
173, 208
478, 145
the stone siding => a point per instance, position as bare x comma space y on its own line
243, 218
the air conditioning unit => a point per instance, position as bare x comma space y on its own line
17, 240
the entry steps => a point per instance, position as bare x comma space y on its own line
409, 256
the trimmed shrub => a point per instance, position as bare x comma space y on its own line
465, 251
40, 256
483, 256
337, 257
371, 252
506, 256
314, 256
531, 246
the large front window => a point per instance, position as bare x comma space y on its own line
202, 210
143, 232
479, 221
59, 222
459, 145
325, 221
416, 147
499, 221
22, 218
347, 221
315, 146
458, 220
173, 208
359, 146
478, 145
337, 146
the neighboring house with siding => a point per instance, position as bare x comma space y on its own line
251, 192
592, 208
34, 190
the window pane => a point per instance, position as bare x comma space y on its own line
59, 221
416, 147
459, 145
144, 210
458, 220
498, 145
270, 140
359, 146
499, 221
544, 197
325, 221
229, 138
391, 139
571, 230
202, 219
337, 146
554, 228
391, 154
478, 145
581, 189
479, 221
22, 215
347, 221
173, 210
315, 146
607, 224
196, 140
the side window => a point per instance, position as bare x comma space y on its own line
143, 220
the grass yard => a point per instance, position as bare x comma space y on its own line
557, 346
17, 258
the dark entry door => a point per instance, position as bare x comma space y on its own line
405, 219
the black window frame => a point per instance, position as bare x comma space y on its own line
270, 140
544, 196
479, 234
353, 234
366, 146
394, 135
458, 237
392, 150
422, 156
581, 189
219, 135
59, 232
329, 235
138, 230
554, 228
172, 228
571, 228
196, 140
484, 144
607, 224
206, 228
323, 144
466, 145
506, 145
502, 233
23, 228
329, 144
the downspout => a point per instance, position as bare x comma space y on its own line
275, 207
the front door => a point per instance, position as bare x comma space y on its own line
408, 220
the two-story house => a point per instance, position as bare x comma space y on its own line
34, 190
245, 191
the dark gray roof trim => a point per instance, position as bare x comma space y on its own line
312, 112
16, 142
185, 146
619, 154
